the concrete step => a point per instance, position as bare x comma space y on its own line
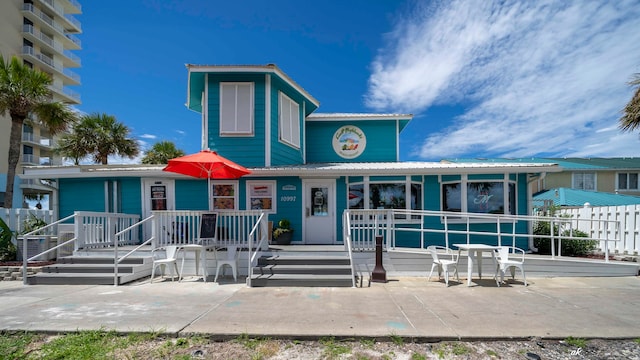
86, 268
73, 279
101, 260
91, 270
302, 280
303, 269
294, 269
305, 260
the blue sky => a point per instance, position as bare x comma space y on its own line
483, 79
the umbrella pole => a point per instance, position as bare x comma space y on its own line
209, 192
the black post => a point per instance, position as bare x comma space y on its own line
379, 273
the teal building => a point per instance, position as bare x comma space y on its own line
306, 166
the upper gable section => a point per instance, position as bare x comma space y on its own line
244, 112
354, 137
198, 74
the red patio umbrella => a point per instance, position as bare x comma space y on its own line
206, 164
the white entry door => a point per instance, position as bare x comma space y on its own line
319, 212
157, 194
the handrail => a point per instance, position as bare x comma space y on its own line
253, 255
461, 223
117, 260
25, 237
347, 242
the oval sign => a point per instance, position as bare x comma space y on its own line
349, 142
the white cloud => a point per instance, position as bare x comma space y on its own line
148, 136
535, 78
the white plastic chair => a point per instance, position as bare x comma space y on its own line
231, 260
170, 259
509, 258
443, 258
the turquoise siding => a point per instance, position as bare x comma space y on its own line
381, 141
342, 203
129, 195
81, 195
245, 150
89, 195
291, 210
281, 153
191, 195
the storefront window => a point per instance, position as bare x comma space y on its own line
261, 195
356, 196
224, 196
486, 197
385, 196
451, 197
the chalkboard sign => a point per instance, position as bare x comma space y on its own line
208, 226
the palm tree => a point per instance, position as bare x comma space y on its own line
25, 91
74, 145
630, 120
161, 152
100, 135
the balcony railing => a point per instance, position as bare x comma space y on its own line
30, 159
28, 50
66, 92
59, 9
72, 56
46, 19
76, 5
32, 138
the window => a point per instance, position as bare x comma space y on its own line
261, 195
486, 197
584, 181
452, 197
224, 196
236, 109
289, 121
385, 195
627, 181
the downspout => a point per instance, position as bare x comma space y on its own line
530, 201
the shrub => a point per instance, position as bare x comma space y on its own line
7, 248
569, 247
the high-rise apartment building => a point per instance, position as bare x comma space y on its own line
42, 33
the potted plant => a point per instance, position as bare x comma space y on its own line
283, 233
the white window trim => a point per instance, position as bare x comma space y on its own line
595, 180
238, 133
407, 182
274, 190
235, 185
463, 195
627, 174
291, 142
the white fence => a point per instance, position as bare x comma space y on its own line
16, 217
183, 226
628, 231
97, 230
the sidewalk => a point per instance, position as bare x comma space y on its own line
603, 307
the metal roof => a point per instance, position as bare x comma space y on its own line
269, 68
568, 163
358, 116
575, 197
308, 170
